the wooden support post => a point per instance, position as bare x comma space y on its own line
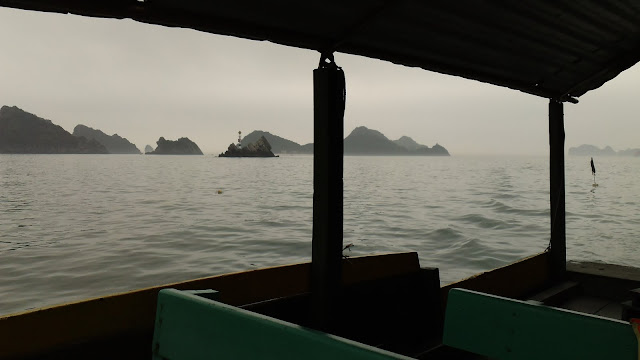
326, 267
557, 190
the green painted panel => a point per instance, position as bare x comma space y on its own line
503, 328
190, 327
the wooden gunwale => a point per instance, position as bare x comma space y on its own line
516, 280
51, 328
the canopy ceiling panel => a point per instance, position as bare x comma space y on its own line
557, 49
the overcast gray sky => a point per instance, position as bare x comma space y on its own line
143, 81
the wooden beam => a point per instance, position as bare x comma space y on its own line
326, 264
558, 246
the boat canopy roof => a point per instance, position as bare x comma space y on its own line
557, 49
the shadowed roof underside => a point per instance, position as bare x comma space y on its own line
556, 49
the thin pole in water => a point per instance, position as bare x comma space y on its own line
593, 171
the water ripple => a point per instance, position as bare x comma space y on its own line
75, 226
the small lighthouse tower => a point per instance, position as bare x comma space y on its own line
239, 139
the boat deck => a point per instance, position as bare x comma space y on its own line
389, 302
605, 290
595, 306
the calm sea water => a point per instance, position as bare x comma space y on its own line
77, 226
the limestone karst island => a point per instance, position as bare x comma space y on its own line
114, 143
182, 146
592, 150
361, 141
258, 148
25, 133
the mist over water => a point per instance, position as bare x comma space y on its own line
78, 226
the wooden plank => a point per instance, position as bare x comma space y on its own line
515, 280
557, 294
189, 327
132, 313
606, 270
375, 267
503, 328
612, 310
604, 280
585, 304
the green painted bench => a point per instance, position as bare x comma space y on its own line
189, 327
502, 328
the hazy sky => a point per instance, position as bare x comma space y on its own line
143, 81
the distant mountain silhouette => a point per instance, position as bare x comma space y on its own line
629, 152
114, 143
361, 141
182, 146
436, 150
307, 148
364, 141
279, 145
409, 144
148, 149
25, 133
591, 150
